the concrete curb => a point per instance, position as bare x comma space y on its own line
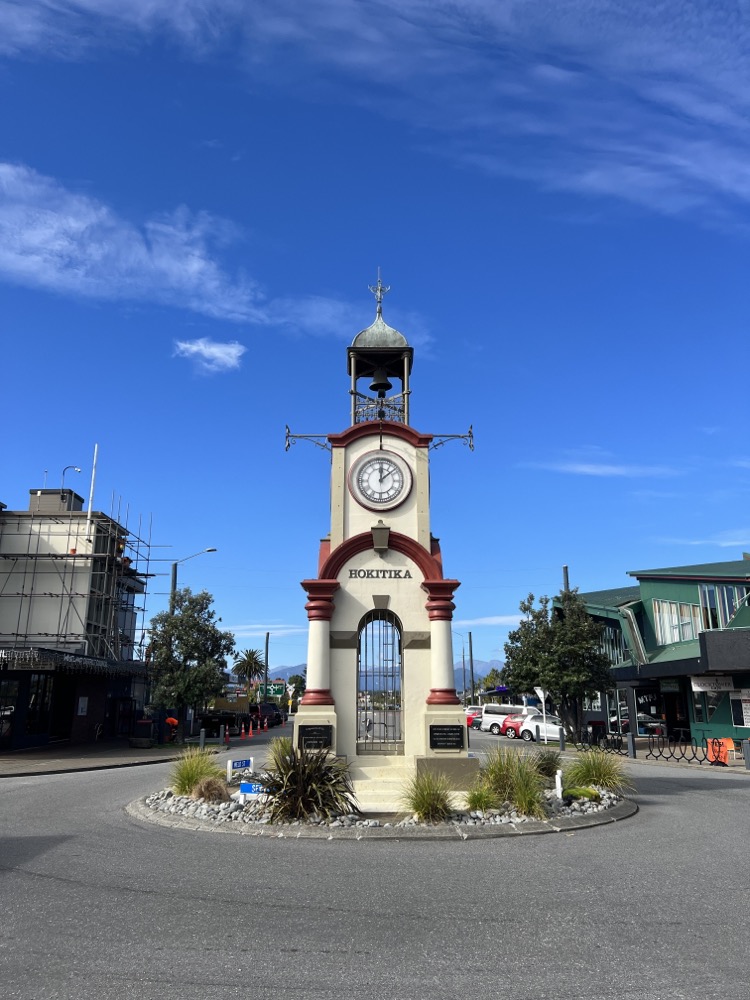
87, 767
448, 831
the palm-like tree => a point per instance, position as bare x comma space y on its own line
249, 666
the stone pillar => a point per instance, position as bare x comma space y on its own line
440, 608
319, 612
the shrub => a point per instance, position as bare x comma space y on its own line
427, 795
279, 750
499, 772
547, 762
514, 778
595, 767
481, 797
212, 789
528, 786
300, 784
572, 794
190, 767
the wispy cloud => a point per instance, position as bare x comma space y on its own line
258, 632
644, 102
63, 241
211, 357
491, 620
607, 469
740, 463
732, 539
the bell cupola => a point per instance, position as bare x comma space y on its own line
382, 355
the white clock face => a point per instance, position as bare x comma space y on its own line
380, 480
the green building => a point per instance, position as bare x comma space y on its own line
679, 642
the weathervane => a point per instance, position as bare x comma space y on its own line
379, 291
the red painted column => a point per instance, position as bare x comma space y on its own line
440, 609
319, 609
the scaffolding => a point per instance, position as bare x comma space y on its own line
73, 580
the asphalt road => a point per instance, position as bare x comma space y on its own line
95, 904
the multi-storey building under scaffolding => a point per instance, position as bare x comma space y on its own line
72, 587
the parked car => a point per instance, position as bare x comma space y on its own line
476, 722
549, 726
472, 712
511, 725
648, 725
493, 715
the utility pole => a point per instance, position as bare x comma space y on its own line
471, 671
265, 690
566, 581
463, 667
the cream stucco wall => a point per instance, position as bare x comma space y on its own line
349, 518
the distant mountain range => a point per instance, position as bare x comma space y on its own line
481, 669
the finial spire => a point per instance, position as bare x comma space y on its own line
379, 291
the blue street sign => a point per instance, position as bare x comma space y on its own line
251, 788
240, 765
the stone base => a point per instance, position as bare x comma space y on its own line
460, 771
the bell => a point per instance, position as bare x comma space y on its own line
380, 383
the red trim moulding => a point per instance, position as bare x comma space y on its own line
374, 428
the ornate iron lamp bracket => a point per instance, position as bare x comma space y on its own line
316, 439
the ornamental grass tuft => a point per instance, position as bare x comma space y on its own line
514, 778
191, 767
547, 762
480, 797
595, 767
427, 796
211, 789
303, 784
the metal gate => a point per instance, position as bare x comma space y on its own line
379, 677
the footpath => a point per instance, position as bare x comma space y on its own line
64, 758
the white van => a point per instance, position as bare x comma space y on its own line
493, 715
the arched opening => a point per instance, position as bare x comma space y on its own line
379, 684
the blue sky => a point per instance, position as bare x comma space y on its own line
194, 197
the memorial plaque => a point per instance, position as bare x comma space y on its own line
315, 737
447, 737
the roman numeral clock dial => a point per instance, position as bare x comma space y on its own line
380, 480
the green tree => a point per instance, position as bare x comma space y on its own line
188, 654
558, 649
249, 666
493, 679
299, 682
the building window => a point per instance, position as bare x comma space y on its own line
676, 622
719, 602
698, 713
613, 644
740, 705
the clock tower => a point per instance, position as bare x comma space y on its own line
380, 686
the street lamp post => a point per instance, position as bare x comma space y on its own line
173, 587
62, 481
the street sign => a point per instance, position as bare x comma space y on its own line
239, 765
275, 690
251, 788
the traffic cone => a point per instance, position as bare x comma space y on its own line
226, 735
242, 732
265, 725
250, 730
